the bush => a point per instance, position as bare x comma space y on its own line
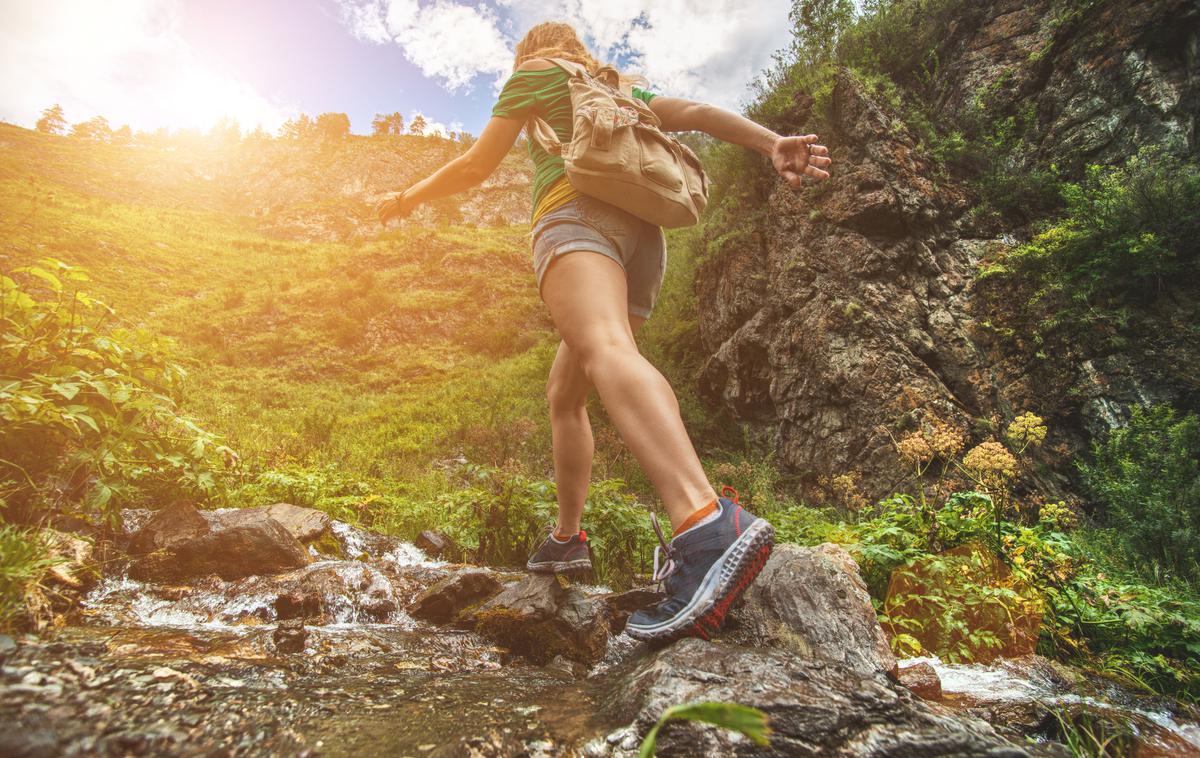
88, 415
1146, 478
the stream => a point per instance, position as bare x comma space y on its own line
200, 669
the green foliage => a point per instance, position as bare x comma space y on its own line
1146, 478
90, 422
739, 718
1125, 233
1089, 734
24, 559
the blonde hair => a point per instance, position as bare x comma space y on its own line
556, 39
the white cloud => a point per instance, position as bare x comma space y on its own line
125, 61
432, 127
446, 40
700, 49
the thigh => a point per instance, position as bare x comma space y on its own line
568, 229
588, 301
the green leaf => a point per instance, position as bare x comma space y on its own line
740, 718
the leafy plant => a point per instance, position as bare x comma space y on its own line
89, 416
739, 718
24, 559
1146, 477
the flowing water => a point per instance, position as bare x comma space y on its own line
196, 669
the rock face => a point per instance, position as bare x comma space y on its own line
851, 309
180, 542
814, 708
813, 603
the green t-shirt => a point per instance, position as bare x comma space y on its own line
545, 93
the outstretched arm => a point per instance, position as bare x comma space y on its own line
793, 157
462, 173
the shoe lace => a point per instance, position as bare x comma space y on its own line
662, 550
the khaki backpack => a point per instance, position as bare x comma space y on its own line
617, 152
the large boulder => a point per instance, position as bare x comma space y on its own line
812, 602
539, 618
815, 708
180, 543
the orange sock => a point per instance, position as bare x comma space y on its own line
693, 519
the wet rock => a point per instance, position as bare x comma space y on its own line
289, 636
812, 602
7, 646
539, 619
305, 524
438, 545
816, 708
923, 680
180, 543
332, 592
443, 601
619, 606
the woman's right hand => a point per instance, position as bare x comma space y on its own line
796, 156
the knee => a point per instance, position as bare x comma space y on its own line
596, 352
564, 396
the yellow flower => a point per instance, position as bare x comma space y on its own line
914, 448
990, 458
1027, 429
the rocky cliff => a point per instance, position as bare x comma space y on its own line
853, 310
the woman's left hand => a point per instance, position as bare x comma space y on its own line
393, 207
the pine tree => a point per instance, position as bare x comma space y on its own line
52, 120
417, 126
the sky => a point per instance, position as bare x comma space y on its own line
188, 63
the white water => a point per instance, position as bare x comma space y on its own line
1004, 682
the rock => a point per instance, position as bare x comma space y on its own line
529, 600
180, 543
305, 524
923, 680
538, 618
815, 708
289, 636
326, 593
7, 646
438, 545
812, 602
443, 601
619, 606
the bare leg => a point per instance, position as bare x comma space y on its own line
586, 294
567, 391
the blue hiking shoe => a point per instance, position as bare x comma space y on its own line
554, 556
706, 569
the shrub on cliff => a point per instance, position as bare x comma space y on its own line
1146, 478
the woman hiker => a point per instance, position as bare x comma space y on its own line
599, 270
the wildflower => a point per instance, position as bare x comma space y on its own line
946, 439
1027, 429
914, 448
990, 458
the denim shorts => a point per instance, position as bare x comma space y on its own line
589, 223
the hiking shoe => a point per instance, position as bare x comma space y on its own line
705, 570
554, 556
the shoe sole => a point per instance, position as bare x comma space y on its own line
724, 583
555, 567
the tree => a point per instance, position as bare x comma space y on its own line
52, 120
95, 129
466, 138
123, 136
333, 125
818, 25
301, 127
385, 124
417, 126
